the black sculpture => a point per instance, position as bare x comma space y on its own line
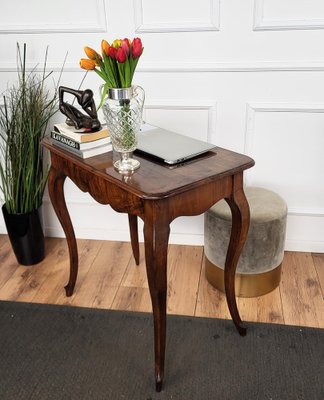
76, 117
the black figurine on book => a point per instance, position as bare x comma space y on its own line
76, 117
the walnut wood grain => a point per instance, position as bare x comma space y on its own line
133, 228
156, 237
157, 194
55, 188
240, 226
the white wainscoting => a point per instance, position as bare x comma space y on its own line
246, 75
200, 117
33, 16
293, 136
289, 14
165, 17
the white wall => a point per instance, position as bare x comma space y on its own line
246, 75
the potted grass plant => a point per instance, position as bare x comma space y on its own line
27, 108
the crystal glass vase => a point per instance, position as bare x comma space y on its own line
123, 109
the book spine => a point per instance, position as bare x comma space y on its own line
67, 141
68, 148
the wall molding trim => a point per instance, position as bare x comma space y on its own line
191, 67
211, 24
261, 23
233, 66
306, 212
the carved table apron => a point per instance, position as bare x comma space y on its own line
157, 193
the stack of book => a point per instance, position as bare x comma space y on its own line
81, 142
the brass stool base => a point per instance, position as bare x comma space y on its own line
246, 285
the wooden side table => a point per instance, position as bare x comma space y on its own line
157, 194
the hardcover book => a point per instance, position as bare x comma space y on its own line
80, 135
77, 145
95, 151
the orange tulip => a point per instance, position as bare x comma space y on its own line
87, 64
92, 54
105, 47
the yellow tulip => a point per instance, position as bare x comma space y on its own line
87, 64
92, 54
105, 47
116, 43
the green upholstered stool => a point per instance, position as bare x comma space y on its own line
259, 268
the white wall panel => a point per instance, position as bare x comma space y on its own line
288, 14
34, 16
195, 120
287, 142
187, 15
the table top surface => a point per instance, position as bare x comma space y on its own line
156, 179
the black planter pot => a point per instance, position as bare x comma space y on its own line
26, 236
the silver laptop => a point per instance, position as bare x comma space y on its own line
170, 147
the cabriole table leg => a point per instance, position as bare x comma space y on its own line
56, 193
133, 228
156, 236
240, 226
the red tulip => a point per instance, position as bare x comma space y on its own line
121, 55
125, 46
112, 52
137, 47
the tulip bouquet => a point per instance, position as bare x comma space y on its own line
116, 64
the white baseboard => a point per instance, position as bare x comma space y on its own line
123, 235
305, 246
175, 238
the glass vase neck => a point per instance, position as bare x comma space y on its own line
120, 93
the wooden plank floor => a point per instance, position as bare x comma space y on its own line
108, 278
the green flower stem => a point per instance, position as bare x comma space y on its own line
134, 64
129, 136
121, 69
127, 74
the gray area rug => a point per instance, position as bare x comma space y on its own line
56, 352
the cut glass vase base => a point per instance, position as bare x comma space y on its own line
126, 165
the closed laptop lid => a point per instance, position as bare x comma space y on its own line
169, 146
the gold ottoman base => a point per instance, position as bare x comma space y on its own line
246, 285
